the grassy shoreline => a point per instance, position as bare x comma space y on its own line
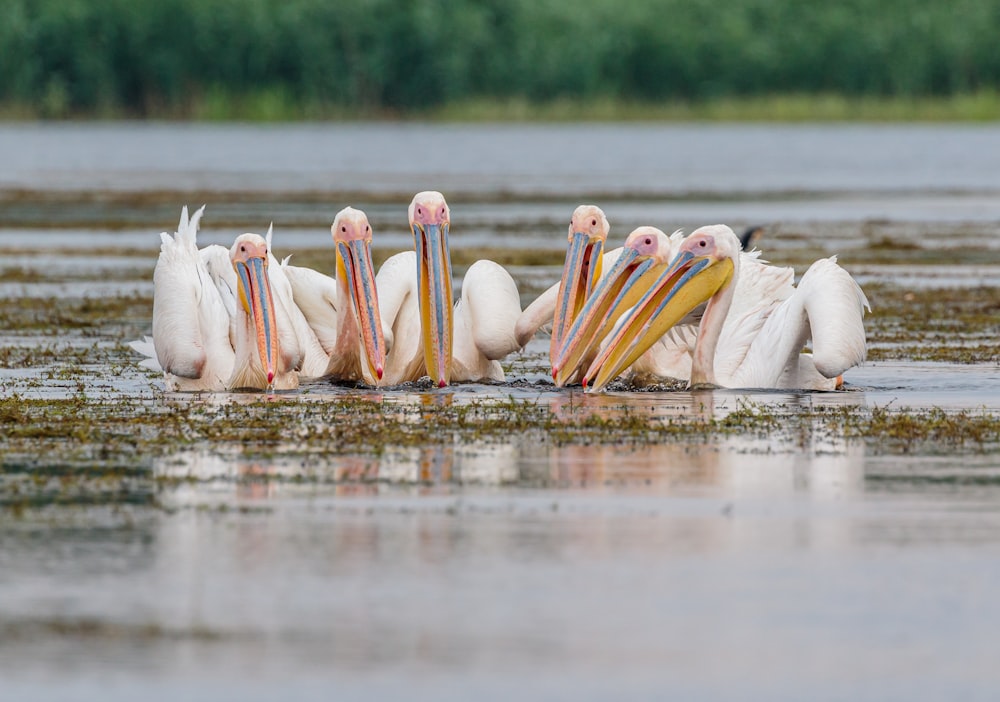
269, 106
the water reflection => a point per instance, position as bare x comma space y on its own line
728, 468
757, 407
725, 467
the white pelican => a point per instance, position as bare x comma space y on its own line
738, 346
425, 336
341, 320
561, 303
217, 323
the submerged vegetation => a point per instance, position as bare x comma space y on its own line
86, 450
465, 59
82, 423
953, 325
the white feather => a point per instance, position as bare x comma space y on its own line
190, 321
763, 346
198, 319
316, 296
145, 347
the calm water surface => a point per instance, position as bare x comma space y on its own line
914, 173
757, 568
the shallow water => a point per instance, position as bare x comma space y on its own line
763, 565
733, 576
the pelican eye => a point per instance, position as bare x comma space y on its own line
343, 228
702, 243
648, 241
243, 249
593, 222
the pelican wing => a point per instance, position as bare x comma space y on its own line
835, 305
802, 375
308, 300
492, 305
190, 320
219, 269
827, 307
315, 295
146, 348
760, 288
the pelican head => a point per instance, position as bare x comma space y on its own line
646, 250
430, 220
588, 230
352, 237
249, 258
704, 265
751, 235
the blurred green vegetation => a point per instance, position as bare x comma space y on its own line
468, 59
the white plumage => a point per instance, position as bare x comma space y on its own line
484, 319
209, 331
755, 324
825, 310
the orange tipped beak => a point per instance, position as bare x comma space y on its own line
255, 294
580, 272
687, 282
434, 292
618, 291
357, 259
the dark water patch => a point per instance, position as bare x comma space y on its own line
80, 480
46, 316
42, 271
918, 482
965, 352
90, 630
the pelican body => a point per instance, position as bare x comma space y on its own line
424, 332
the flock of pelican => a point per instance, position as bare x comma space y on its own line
700, 309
